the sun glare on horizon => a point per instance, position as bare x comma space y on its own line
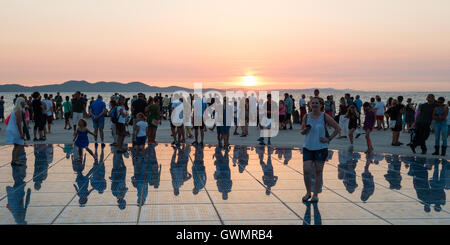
249, 81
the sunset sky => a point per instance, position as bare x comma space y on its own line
358, 44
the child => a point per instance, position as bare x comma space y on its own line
81, 139
369, 123
141, 135
352, 116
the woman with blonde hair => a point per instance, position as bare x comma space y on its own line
14, 132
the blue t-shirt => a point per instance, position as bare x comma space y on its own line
358, 104
97, 107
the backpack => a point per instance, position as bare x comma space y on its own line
114, 115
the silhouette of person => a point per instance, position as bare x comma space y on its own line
393, 175
367, 179
98, 181
287, 155
154, 177
437, 184
139, 180
420, 182
42, 160
346, 170
82, 181
269, 179
222, 175
198, 170
16, 193
243, 158
307, 216
178, 169
118, 179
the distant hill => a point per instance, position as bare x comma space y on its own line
83, 86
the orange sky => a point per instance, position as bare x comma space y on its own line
358, 44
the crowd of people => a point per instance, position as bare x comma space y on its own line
316, 116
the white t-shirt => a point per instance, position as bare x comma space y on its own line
121, 118
302, 102
48, 107
379, 106
142, 128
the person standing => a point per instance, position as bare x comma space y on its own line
59, 101
409, 113
358, 103
315, 148
302, 105
39, 117
369, 123
395, 113
199, 110
14, 133
289, 110
352, 117
137, 106
98, 112
380, 110
48, 111
343, 121
120, 125
423, 123
78, 109
153, 116
440, 115
67, 107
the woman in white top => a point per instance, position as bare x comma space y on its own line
120, 126
14, 133
315, 148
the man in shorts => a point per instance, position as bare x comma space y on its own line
48, 111
78, 108
199, 110
380, 108
98, 111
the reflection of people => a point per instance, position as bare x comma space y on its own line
178, 169
437, 184
420, 182
350, 172
43, 155
307, 216
82, 182
16, 194
138, 180
367, 179
243, 158
269, 179
154, 177
393, 175
223, 172
98, 181
198, 170
118, 177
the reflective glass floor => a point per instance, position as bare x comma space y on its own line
212, 186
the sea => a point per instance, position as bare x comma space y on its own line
417, 97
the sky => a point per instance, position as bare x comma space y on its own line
381, 45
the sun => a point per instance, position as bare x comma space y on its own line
249, 81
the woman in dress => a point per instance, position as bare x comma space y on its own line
14, 131
315, 148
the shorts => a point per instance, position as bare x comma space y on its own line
100, 123
282, 118
380, 117
173, 125
223, 129
67, 116
39, 123
76, 117
288, 117
120, 129
200, 127
49, 119
140, 140
315, 156
352, 124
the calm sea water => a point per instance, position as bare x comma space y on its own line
417, 97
